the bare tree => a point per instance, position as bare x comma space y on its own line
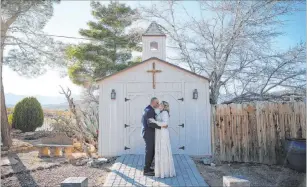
73, 110
89, 108
232, 42
84, 121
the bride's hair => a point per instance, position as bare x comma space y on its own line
166, 106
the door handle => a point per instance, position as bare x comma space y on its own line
182, 125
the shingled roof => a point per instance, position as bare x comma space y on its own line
154, 30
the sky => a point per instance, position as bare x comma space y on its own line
70, 16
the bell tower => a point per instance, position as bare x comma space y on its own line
154, 42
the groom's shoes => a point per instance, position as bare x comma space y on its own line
149, 173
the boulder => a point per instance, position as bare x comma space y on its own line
5, 161
77, 147
75, 156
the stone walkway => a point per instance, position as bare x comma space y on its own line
128, 171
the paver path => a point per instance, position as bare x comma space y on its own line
128, 171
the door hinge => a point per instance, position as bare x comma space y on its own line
126, 99
181, 147
126, 125
181, 99
126, 148
182, 125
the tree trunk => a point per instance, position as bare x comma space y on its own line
5, 131
214, 94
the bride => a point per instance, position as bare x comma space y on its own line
164, 164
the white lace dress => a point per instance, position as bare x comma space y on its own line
164, 163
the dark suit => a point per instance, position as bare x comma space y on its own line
148, 132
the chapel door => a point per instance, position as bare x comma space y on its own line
176, 121
135, 105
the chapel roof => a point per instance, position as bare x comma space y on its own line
154, 29
153, 58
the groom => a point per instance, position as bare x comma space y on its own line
148, 132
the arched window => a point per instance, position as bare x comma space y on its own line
153, 46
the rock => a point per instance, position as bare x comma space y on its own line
217, 161
35, 135
40, 168
207, 160
77, 147
228, 164
81, 162
74, 156
101, 160
91, 148
16, 131
94, 155
97, 162
30, 136
64, 162
230, 181
212, 164
8, 161
90, 163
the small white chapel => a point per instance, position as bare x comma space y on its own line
124, 95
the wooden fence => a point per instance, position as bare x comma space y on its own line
256, 132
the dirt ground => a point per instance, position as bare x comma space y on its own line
257, 174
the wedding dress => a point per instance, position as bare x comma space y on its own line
164, 164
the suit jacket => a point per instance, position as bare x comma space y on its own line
149, 128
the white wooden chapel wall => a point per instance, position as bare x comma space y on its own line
195, 114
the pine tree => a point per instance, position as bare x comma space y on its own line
111, 46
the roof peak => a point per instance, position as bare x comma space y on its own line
154, 29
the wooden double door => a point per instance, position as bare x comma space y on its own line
135, 103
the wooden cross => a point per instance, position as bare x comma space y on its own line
154, 71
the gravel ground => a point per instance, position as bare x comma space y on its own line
54, 176
31, 171
257, 174
28, 161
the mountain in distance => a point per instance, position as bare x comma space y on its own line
48, 102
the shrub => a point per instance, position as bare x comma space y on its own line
28, 115
10, 119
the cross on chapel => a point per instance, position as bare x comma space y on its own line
154, 71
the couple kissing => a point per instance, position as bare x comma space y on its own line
155, 133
